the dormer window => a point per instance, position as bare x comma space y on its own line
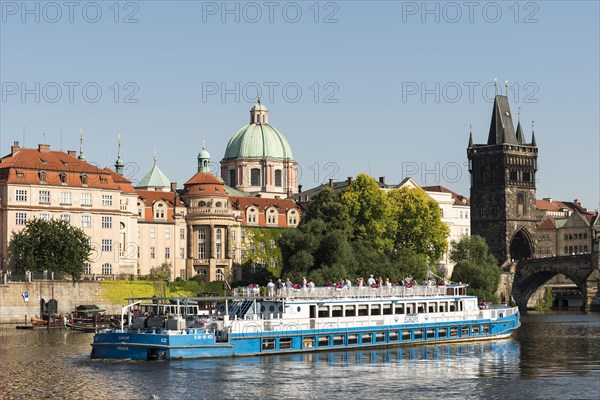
42, 176
63, 178
159, 213
84, 179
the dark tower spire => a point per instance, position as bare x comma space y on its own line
119, 164
502, 130
470, 135
533, 143
520, 135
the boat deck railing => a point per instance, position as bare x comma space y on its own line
351, 292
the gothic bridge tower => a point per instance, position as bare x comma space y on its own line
503, 186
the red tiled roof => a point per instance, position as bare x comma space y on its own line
204, 183
24, 165
262, 203
459, 200
547, 224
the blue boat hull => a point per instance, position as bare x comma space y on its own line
163, 344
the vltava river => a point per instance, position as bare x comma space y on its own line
552, 356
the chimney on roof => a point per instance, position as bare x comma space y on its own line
330, 182
173, 186
349, 180
576, 201
382, 179
44, 148
72, 153
14, 148
299, 188
548, 199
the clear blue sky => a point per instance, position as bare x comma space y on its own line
388, 75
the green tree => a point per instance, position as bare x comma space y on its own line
328, 207
370, 212
52, 246
476, 266
418, 224
162, 272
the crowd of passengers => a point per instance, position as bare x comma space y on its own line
275, 288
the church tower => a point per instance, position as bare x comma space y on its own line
503, 186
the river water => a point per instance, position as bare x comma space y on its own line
552, 356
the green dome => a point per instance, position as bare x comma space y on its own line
258, 107
258, 141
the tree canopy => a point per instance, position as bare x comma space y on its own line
50, 245
476, 266
363, 231
418, 223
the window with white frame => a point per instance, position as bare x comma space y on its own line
160, 211
262, 246
272, 262
106, 245
106, 222
252, 215
86, 221
152, 233
86, 199
293, 218
65, 198
107, 200
167, 233
233, 235
182, 233
167, 252
182, 252
272, 243
106, 269
201, 243
21, 195
45, 217
271, 216
44, 197
182, 273
220, 276
66, 218
152, 252
21, 218
87, 268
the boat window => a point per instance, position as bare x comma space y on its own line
363, 309
380, 337
410, 308
442, 332
337, 311
308, 342
312, 311
323, 311
453, 331
375, 309
272, 308
338, 340
450, 291
285, 343
485, 329
405, 335
367, 338
299, 309
394, 336
350, 311
432, 307
420, 308
475, 330
268, 344
430, 333
280, 308
464, 331
323, 341
452, 306
387, 309
418, 334
352, 339
443, 306
399, 309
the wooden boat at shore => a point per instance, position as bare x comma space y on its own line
82, 327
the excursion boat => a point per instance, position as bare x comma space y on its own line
301, 320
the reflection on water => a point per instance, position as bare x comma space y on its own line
553, 356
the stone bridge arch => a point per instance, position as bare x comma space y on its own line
582, 269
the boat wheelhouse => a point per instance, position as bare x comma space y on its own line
306, 319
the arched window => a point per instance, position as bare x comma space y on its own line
106, 269
63, 177
201, 243
232, 178
220, 276
278, 178
84, 179
252, 216
42, 175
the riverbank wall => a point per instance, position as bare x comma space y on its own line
15, 309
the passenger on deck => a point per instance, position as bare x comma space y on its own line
370, 281
270, 288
